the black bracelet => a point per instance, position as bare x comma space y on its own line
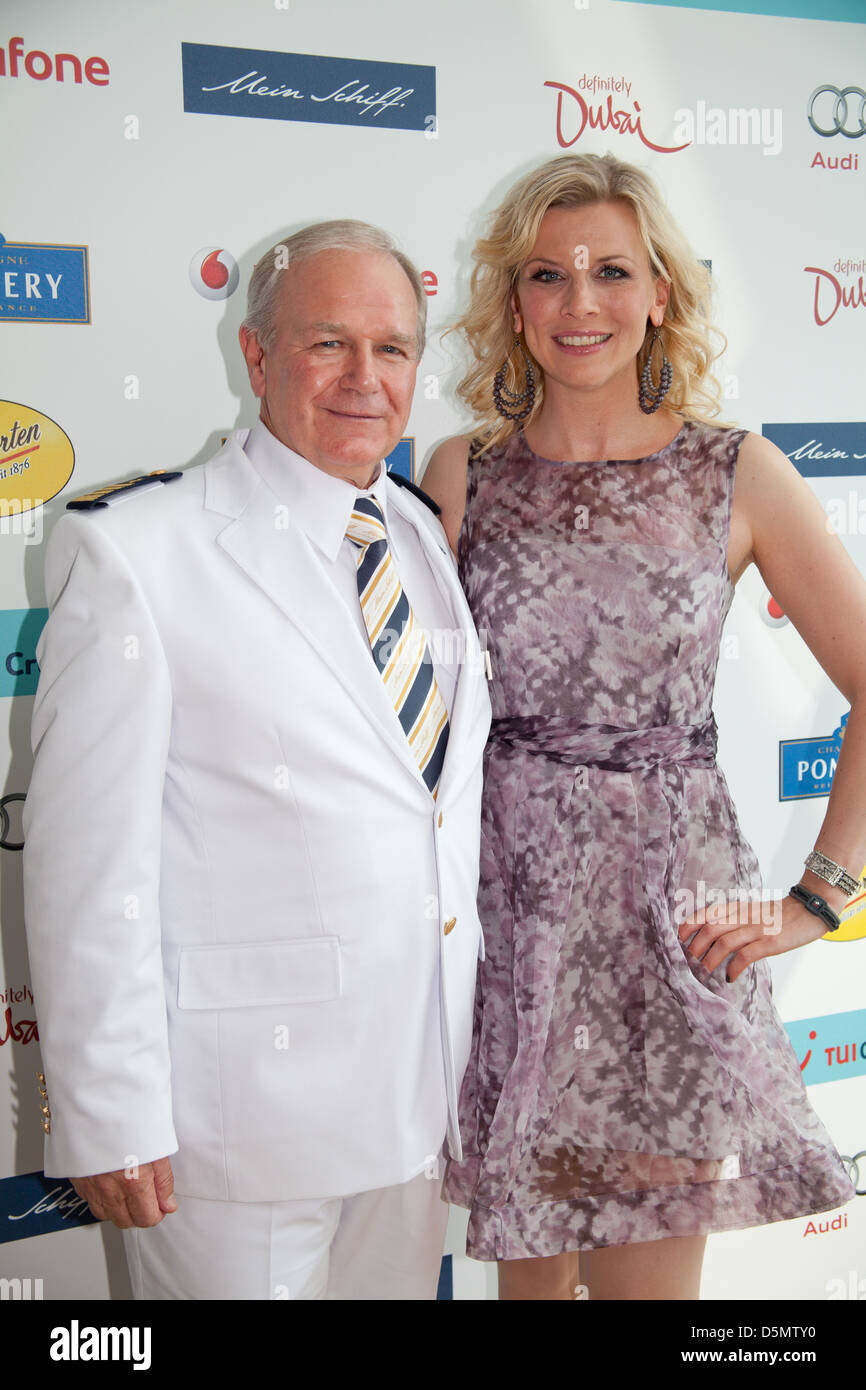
817, 906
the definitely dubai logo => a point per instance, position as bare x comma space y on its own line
255, 82
41, 282
585, 104
213, 272
36, 461
837, 289
17, 1016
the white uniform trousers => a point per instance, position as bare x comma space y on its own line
380, 1245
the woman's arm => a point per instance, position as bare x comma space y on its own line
444, 479
778, 523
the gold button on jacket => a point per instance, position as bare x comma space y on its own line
44, 1107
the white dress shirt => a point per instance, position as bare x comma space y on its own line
320, 505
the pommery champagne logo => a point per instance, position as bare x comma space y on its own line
258, 83
42, 282
807, 765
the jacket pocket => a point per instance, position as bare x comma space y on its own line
303, 971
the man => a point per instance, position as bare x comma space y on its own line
252, 829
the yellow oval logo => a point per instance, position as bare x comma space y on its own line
852, 918
36, 458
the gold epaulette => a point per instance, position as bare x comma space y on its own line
107, 496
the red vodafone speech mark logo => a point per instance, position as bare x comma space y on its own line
213, 273
772, 613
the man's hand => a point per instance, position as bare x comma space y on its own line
142, 1200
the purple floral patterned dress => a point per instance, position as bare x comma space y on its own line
616, 1091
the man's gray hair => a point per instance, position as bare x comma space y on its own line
342, 234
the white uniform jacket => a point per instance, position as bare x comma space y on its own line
253, 932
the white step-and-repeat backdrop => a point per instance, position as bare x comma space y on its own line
151, 153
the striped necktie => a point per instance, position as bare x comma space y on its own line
398, 643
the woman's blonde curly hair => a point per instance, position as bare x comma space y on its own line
573, 181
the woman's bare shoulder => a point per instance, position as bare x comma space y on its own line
448, 459
444, 479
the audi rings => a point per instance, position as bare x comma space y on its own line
840, 112
857, 1171
5, 827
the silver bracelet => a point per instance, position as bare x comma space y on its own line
832, 873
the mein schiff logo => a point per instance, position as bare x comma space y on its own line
255, 82
33, 1205
585, 104
43, 283
830, 449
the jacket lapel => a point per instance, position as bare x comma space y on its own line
280, 559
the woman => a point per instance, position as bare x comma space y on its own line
631, 1087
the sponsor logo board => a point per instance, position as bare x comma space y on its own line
266, 85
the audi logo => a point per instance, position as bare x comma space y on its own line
5, 825
857, 1171
838, 114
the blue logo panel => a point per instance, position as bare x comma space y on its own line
255, 82
834, 450
831, 1048
850, 10
20, 630
43, 284
807, 765
31, 1205
402, 458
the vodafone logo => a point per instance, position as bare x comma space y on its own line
66, 67
772, 613
214, 273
